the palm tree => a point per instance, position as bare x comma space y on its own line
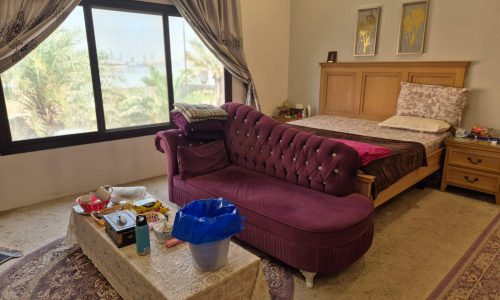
54, 85
202, 61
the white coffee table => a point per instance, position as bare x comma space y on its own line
166, 273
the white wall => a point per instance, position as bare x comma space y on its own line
43, 175
33, 177
456, 30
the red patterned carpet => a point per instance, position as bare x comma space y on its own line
59, 271
477, 274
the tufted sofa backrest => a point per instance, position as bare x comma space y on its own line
260, 143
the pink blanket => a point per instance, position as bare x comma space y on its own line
367, 152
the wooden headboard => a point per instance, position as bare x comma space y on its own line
369, 90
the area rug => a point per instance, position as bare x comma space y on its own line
60, 271
477, 274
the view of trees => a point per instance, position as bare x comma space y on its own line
50, 91
190, 85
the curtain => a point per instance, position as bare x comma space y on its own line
26, 23
218, 24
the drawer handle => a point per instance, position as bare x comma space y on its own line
475, 162
471, 180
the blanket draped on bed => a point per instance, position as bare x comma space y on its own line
406, 157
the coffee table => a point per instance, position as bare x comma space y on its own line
166, 273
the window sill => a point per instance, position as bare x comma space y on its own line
79, 139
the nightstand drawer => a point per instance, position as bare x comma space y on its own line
472, 179
475, 159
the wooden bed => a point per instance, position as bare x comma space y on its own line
369, 90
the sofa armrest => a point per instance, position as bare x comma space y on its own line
167, 142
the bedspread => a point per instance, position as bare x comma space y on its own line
406, 157
431, 141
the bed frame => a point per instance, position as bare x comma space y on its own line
369, 90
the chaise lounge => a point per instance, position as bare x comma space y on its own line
295, 190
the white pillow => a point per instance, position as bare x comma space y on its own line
416, 123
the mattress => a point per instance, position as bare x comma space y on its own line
431, 141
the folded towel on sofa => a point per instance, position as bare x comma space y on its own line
207, 130
200, 112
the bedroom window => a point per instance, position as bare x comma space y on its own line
112, 70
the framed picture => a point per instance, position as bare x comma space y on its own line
412, 27
366, 32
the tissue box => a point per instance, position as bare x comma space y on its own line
121, 232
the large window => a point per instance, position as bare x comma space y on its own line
112, 70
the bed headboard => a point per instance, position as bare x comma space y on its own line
369, 90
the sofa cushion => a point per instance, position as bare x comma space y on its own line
194, 161
206, 130
294, 212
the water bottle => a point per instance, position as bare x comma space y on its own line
142, 235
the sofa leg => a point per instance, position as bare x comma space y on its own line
309, 278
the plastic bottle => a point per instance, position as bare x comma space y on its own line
142, 235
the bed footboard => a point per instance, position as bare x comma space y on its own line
364, 184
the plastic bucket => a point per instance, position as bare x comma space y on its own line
210, 256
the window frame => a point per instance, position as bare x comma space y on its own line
7, 146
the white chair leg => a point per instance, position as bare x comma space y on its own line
309, 278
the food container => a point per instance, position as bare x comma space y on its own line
98, 216
162, 231
95, 204
120, 227
153, 217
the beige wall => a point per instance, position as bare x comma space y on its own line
266, 32
39, 176
457, 30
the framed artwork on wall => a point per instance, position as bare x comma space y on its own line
366, 32
412, 27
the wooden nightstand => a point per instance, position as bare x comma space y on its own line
472, 164
285, 120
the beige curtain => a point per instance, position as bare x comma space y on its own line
26, 23
218, 24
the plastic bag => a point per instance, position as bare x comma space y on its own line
205, 221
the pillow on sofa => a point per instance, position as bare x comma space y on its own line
432, 101
416, 124
194, 161
207, 130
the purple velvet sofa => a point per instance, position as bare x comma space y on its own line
295, 190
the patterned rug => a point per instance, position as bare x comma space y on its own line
477, 274
59, 271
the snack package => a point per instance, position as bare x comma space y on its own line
147, 204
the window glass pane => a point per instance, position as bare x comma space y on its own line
131, 55
49, 92
198, 75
